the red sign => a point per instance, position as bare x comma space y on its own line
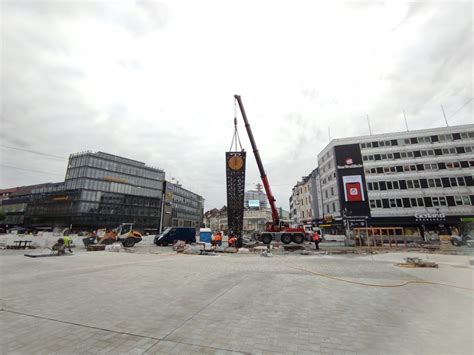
353, 192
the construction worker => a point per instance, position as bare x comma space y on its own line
68, 243
232, 240
218, 238
316, 239
215, 238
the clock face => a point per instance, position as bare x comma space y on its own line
235, 162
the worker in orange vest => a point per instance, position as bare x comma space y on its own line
217, 239
232, 240
316, 239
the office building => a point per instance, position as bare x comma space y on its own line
421, 178
182, 208
101, 190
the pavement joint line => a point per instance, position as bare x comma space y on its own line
152, 345
78, 324
202, 346
202, 309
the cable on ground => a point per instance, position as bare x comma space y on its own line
380, 285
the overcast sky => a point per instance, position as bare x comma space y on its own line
154, 81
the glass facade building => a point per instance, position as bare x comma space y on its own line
101, 190
183, 208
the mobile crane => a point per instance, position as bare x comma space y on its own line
277, 229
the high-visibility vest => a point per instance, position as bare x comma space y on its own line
218, 237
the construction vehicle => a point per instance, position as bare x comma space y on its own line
123, 234
276, 230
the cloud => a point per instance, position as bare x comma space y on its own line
154, 81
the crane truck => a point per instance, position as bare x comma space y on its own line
277, 230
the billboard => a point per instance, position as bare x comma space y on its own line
351, 180
254, 203
353, 188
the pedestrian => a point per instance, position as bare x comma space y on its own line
316, 240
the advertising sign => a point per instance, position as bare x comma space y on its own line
353, 188
254, 203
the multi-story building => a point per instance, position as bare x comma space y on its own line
101, 190
421, 178
15, 202
182, 207
255, 198
216, 219
305, 203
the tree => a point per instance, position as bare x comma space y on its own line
2, 215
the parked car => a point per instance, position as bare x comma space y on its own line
172, 234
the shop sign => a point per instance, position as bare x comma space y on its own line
438, 216
328, 219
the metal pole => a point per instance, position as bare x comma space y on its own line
444, 115
406, 124
368, 122
162, 207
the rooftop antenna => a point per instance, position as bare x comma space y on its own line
406, 124
329, 133
444, 114
368, 122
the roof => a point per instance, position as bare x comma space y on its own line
10, 190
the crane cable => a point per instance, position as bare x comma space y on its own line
235, 137
379, 285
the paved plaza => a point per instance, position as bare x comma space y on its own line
162, 302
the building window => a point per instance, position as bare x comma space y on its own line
453, 165
439, 201
430, 166
449, 150
462, 200
445, 137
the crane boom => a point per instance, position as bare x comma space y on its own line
263, 175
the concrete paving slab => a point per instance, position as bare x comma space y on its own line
169, 303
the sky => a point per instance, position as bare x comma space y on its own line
155, 81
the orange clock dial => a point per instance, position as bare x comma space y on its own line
235, 162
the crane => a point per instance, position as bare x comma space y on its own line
277, 229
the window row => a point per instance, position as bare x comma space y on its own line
113, 176
329, 178
85, 160
418, 153
433, 201
418, 140
332, 207
444, 182
419, 167
184, 193
107, 186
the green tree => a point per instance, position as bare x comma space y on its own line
2, 215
